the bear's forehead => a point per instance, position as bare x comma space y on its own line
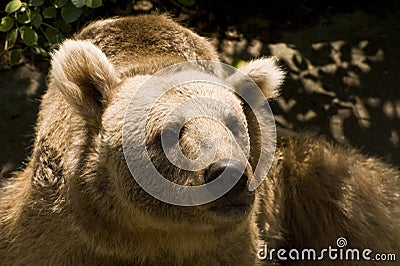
193, 100
203, 93
188, 101
214, 100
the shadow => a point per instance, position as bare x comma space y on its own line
20, 90
342, 75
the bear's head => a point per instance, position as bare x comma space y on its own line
184, 124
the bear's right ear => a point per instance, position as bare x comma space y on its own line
82, 72
266, 73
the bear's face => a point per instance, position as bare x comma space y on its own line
215, 129
220, 127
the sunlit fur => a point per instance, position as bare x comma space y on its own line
76, 203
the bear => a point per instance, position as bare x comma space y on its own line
77, 201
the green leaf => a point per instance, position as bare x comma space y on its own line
63, 26
78, 3
29, 36
237, 62
36, 2
60, 3
24, 18
6, 24
49, 12
12, 38
16, 56
70, 13
93, 3
13, 6
36, 19
53, 36
38, 50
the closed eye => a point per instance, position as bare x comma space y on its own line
171, 134
233, 124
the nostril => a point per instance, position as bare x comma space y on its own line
231, 168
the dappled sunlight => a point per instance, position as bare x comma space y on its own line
308, 73
328, 91
341, 80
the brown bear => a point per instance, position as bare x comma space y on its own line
77, 202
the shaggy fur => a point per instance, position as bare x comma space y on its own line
76, 202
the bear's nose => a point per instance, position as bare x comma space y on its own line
230, 168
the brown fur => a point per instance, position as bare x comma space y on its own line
149, 42
76, 202
323, 191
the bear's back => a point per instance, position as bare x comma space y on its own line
144, 44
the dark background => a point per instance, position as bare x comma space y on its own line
342, 60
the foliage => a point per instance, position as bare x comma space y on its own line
36, 25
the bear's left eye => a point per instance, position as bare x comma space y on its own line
171, 134
233, 124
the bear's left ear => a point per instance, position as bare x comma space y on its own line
82, 72
266, 74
